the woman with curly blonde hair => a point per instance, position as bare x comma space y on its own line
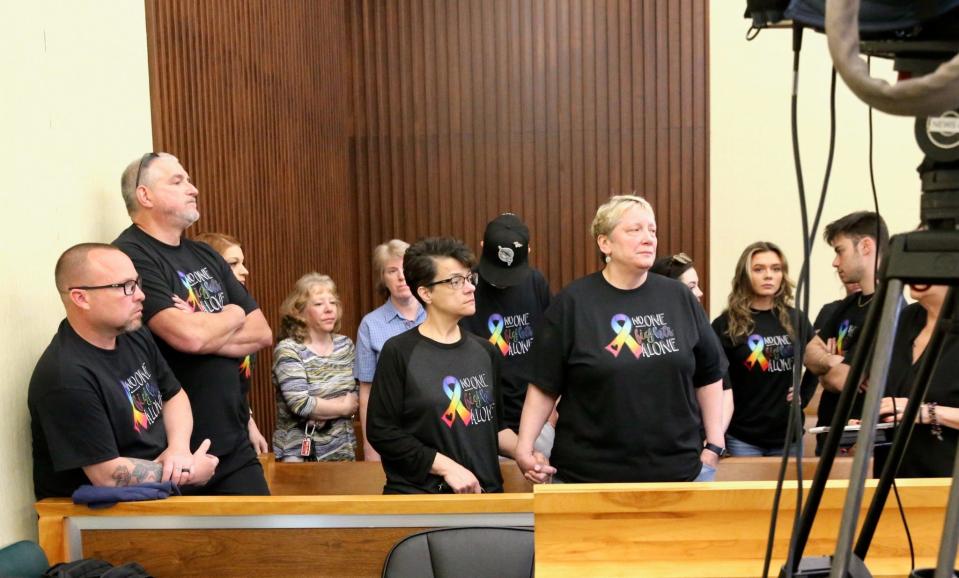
758, 336
316, 396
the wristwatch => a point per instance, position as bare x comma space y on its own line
719, 451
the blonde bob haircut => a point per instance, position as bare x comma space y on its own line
610, 213
292, 320
392, 249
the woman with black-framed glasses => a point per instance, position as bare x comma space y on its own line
435, 411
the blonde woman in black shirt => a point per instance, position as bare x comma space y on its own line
758, 336
636, 363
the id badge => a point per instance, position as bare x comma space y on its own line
306, 446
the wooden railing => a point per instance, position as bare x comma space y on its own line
305, 528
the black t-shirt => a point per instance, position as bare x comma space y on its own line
430, 397
761, 373
627, 363
245, 367
90, 405
810, 381
844, 324
506, 317
200, 276
926, 456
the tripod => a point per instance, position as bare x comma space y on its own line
928, 257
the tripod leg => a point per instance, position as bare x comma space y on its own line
927, 369
950, 530
878, 371
817, 489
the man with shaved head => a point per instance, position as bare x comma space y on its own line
203, 319
105, 407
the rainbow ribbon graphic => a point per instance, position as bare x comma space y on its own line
622, 326
245, 368
454, 391
190, 294
756, 344
140, 421
843, 332
495, 325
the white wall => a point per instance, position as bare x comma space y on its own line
74, 109
753, 186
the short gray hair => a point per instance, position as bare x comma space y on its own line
392, 249
128, 180
610, 213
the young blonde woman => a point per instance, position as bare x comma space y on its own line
316, 396
758, 335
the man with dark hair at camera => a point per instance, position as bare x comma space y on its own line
859, 239
105, 407
202, 317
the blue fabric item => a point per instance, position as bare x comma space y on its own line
874, 15
104, 497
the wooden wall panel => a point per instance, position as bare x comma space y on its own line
318, 129
541, 107
254, 97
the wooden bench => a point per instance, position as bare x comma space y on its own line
714, 530
367, 478
680, 529
263, 536
335, 510
351, 478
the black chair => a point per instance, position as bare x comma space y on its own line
473, 551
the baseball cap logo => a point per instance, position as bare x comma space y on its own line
505, 255
505, 259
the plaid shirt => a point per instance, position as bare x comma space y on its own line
378, 326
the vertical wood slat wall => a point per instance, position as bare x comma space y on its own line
317, 129
250, 96
466, 109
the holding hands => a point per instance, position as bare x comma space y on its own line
535, 466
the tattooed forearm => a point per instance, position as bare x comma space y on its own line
143, 471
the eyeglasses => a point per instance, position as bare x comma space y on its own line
129, 287
456, 281
682, 259
144, 163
